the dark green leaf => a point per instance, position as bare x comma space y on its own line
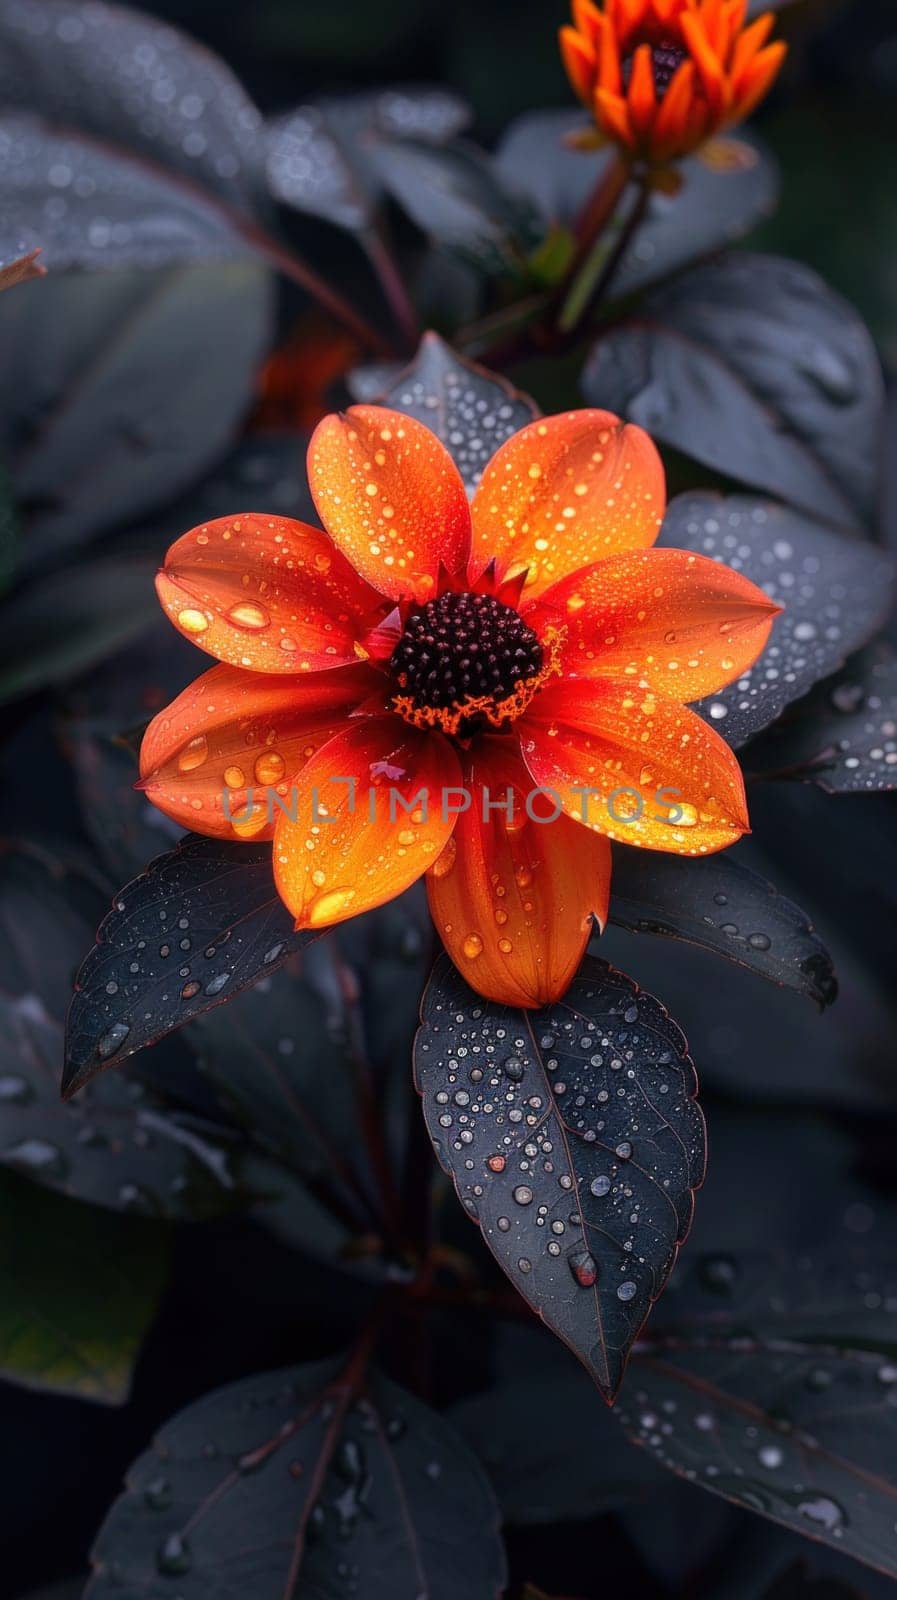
118, 211
723, 907
61, 624
202, 923
772, 1384
317, 154
97, 68
455, 196
272, 1486
836, 593
9, 531
843, 736
119, 390
754, 367
78, 1290
575, 1141
712, 209
116, 1146
471, 410
546, 1438
47, 911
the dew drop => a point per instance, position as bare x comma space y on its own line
113, 1040
192, 621
173, 1556
247, 614
584, 1268
193, 754
269, 768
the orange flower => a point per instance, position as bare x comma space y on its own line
662, 76
485, 694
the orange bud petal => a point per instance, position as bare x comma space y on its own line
230, 732
705, 59
579, 61
562, 493
659, 776
641, 97
351, 846
672, 118
748, 45
612, 115
391, 497
266, 593
513, 897
680, 623
759, 78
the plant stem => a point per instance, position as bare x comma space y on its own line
298, 271
384, 264
370, 1112
598, 211
599, 269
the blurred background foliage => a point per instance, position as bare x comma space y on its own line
831, 121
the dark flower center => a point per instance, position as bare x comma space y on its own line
666, 57
463, 651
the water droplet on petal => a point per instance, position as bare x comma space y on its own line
248, 615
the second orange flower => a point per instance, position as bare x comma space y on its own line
661, 77
484, 694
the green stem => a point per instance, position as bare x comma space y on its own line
599, 269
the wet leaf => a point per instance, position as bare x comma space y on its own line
47, 911
132, 81
456, 197
93, 207
19, 267
317, 155
279, 1059
471, 410
278, 1482
62, 623
119, 1145
843, 736
116, 1146
754, 367
202, 923
119, 391
575, 1141
78, 1290
773, 1384
836, 593
714, 207
9, 530
723, 907
547, 1440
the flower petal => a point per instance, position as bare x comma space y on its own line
564, 492
513, 897
370, 814
658, 775
579, 60
676, 622
266, 593
392, 498
230, 732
